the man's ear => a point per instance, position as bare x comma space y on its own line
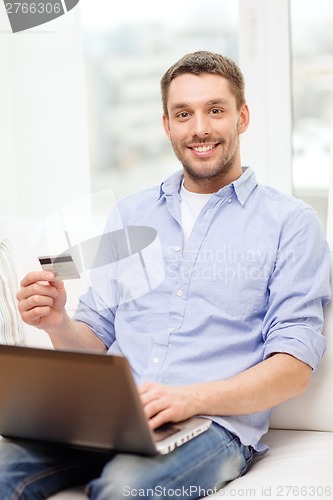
166, 125
244, 119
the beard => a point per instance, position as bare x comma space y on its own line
206, 168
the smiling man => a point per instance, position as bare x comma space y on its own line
203, 120
233, 329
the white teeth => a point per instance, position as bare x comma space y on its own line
202, 149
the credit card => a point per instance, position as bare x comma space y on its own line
62, 265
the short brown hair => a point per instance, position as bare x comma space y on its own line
205, 62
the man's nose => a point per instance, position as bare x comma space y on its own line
200, 125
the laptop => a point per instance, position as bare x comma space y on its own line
81, 399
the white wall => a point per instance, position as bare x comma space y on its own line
43, 136
264, 45
329, 228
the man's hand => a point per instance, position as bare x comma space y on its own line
257, 389
41, 300
163, 403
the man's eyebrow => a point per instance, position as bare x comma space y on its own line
220, 102
179, 105
212, 102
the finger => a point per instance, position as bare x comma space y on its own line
147, 386
37, 289
154, 394
151, 408
36, 276
33, 316
36, 301
149, 404
161, 418
58, 284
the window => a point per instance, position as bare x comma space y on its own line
312, 76
126, 52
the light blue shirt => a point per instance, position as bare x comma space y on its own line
251, 280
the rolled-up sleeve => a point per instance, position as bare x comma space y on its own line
299, 289
99, 319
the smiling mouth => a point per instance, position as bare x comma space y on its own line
203, 148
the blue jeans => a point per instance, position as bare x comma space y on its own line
31, 470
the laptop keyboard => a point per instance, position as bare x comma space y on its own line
165, 431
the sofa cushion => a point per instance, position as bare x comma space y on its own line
298, 465
313, 410
70, 494
11, 326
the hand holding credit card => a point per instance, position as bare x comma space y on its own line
62, 265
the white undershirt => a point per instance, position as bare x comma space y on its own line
191, 205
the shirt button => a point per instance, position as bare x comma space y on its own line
230, 200
171, 330
207, 212
177, 249
156, 360
179, 292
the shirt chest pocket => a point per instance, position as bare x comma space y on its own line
240, 288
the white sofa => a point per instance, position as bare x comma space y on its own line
299, 463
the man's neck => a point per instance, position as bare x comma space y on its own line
213, 184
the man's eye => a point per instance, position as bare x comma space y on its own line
183, 115
216, 111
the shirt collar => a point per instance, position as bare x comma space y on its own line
243, 186
171, 185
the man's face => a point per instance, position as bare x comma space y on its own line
204, 126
